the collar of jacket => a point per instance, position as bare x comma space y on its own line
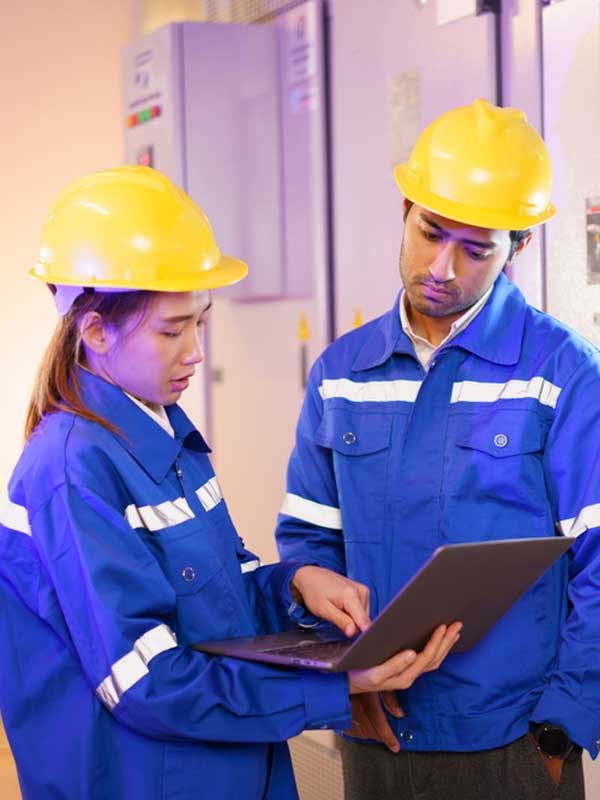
486, 336
148, 443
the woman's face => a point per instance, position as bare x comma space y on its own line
153, 356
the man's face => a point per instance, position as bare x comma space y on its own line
446, 266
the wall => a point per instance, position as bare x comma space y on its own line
61, 95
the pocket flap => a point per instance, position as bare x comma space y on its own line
502, 434
354, 434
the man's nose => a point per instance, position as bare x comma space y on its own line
441, 268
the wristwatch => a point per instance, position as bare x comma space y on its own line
551, 740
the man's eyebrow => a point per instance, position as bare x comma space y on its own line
186, 317
473, 242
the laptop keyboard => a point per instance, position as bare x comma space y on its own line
312, 651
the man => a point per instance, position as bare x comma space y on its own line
463, 414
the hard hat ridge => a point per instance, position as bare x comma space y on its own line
482, 165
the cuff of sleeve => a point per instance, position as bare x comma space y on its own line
582, 727
295, 611
326, 700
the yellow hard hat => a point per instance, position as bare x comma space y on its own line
481, 165
131, 228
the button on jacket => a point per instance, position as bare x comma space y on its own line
500, 439
116, 552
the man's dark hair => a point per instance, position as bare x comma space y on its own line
515, 238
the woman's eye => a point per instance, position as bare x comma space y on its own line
171, 334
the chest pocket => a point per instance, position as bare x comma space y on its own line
206, 607
354, 434
360, 447
500, 457
503, 434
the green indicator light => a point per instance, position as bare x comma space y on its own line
145, 115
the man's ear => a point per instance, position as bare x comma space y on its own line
406, 206
95, 334
521, 246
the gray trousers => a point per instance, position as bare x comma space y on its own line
513, 772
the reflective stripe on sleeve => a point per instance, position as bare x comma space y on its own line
210, 495
164, 515
588, 517
127, 671
14, 516
536, 388
250, 566
309, 511
371, 391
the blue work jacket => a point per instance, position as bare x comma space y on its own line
117, 553
499, 439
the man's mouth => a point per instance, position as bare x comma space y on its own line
434, 291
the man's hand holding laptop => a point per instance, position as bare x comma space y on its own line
345, 603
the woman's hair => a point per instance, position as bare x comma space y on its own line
56, 386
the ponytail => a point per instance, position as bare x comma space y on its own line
56, 387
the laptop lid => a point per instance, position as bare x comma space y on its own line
475, 583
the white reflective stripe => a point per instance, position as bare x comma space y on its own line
164, 515
371, 391
250, 566
14, 516
478, 392
588, 517
309, 511
127, 671
210, 494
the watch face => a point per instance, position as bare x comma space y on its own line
553, 741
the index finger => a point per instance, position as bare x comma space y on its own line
354, 607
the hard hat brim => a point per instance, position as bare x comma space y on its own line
478, 217
226, 272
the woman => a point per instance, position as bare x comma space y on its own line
116, 548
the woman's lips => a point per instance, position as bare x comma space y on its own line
180, 385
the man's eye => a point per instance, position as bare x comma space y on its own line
477, 255
171, 334
431, 236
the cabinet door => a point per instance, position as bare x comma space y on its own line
571, 32
395, 69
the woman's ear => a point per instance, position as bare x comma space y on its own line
95, 334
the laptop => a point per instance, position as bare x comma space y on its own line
474, 583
